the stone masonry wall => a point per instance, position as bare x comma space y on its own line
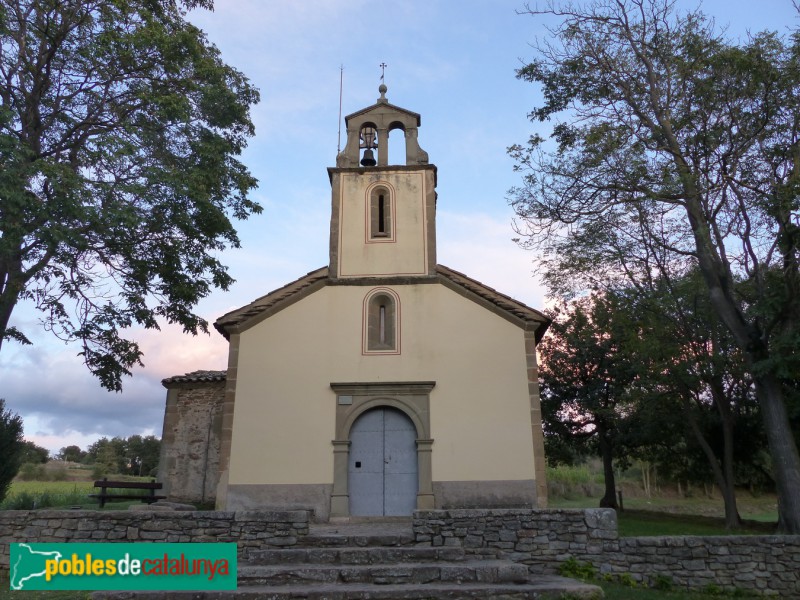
544, 539
767, 564
251, 529
190, 442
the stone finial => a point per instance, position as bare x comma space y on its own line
382, 89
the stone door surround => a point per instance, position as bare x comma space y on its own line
352, 400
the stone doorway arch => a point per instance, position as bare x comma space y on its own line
354, 399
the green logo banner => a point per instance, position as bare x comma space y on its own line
128, 566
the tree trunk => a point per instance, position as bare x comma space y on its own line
721, 401
7, 303
725, 486
609, 499
12, 282
782, 447
785, 458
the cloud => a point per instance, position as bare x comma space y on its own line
480, 246
60, 402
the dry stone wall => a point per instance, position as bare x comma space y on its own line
767, 564
250, 529
544, 539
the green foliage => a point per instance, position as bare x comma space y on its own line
570, 474
46, 498
32, 472
572, 481
21, 501
135, 455
11, 447
662, 582
31, 453
71, 454
57, 473
589, 380
572, 567
120, 132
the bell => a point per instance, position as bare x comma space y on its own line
369, 158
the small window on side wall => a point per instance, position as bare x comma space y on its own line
380, 214
381, 322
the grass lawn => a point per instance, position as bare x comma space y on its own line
633, 523
685, 516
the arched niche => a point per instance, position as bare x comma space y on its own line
381, 322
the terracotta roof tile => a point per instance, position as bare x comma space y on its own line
507, 303
196, 377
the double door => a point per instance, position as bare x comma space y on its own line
382, 469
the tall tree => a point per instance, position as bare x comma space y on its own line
695, 369
31, 453
693, 142
587, 380
71, 454
11, 446
120, 128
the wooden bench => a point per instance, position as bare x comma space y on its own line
105, 485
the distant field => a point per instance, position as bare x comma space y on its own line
762, 508
58, 487
24, 495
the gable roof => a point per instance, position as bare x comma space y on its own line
381, 107
276, 300
513, 310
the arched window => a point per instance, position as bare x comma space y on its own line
380, 214
381, 322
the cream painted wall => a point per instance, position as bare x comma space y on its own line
284, 413
406, 254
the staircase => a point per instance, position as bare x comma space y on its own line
377, 561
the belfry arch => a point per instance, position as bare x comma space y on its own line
382, 118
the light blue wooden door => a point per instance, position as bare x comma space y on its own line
382, 472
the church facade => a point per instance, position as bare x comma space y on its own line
378, 385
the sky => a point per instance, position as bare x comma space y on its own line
452, 62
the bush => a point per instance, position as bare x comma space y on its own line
568, 482
32, 472
573, 475
663, 583
577, 570
11, 446
58, 473
21, 501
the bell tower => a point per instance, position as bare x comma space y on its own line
383, 217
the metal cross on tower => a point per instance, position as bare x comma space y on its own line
383, 66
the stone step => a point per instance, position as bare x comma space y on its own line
327, 540
366, 555
472, 571
541, 587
